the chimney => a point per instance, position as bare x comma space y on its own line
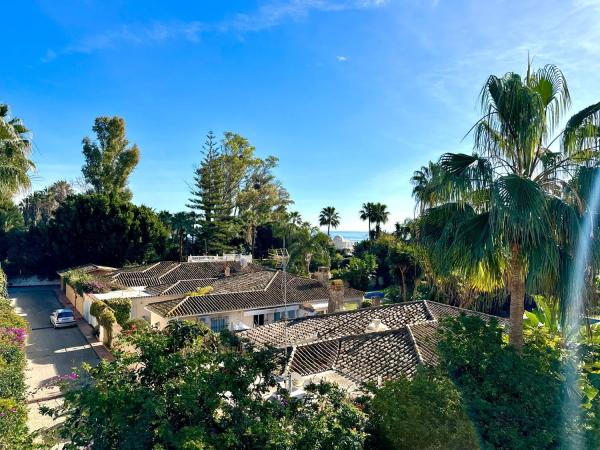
323, 275
227, 271
375, 301
376, 325
336, 296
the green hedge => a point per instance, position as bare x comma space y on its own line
121, 307
13, 408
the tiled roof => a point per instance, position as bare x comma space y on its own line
363, 358
331, 326
171, 272
85, 268
248, 291
340, 342
181, 287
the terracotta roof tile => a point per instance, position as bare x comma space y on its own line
248, 291
340, 342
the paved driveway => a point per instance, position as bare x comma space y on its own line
49, 352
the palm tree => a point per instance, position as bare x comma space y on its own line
424, 182
366, 213
500, 217
330, 217
380, 215
15, 148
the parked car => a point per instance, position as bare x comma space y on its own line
62, 318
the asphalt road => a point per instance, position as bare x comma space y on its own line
50, 352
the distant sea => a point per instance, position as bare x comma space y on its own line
352, 236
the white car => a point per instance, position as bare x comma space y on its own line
62, 318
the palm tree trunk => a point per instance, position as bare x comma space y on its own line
516, 286
403, 285
181, 245
328, 225
369, 228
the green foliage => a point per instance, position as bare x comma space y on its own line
10, 216
330, 217
200, 292
105, 230
522, 392
14, 433
121, 308
234, 192
359, 271
404, 268
13, 407
97, 307
15, 150
107, 318
185, 387
3, 284
425, 412
506, 216
109, 161
134, 325
39, 207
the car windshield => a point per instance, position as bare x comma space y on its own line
65, 314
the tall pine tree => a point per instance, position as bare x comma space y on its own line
210, 200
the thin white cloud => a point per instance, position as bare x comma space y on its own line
342, 58
267, 16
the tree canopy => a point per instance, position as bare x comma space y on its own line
507, 214
110, 159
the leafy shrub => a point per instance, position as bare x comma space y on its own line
514, 400
13, 425
13, 410
133, 325
184, 387
107, 318
394, 293
425, 412
121, 307
97, 307
84, 283
3, 284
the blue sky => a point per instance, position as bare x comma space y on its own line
351, 95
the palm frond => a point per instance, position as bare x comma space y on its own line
582, 130
519, 211
551, 85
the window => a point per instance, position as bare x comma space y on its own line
276, 317
218, 323
65, 314
291, 314
259, 319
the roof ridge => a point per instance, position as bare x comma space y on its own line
492, 316
414, 342
150, 267
271, 281
175, 307
169, 271
428, 310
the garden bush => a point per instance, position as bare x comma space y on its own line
133, 325
514, 399
3, 284
121, 308
107, 318
425, 412
13, 409
97, 307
